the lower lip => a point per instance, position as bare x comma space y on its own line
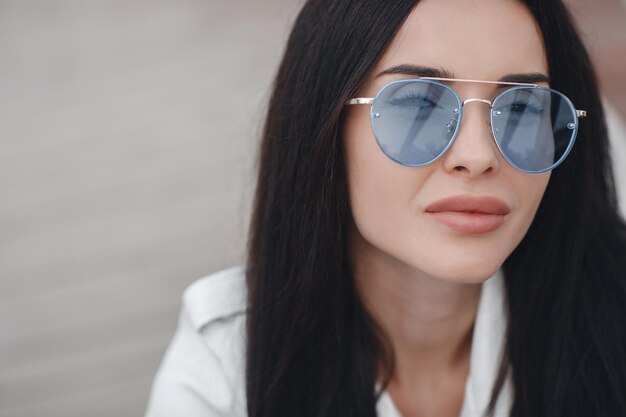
467, 222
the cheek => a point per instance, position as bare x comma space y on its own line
530, 191
382, 196
379, 188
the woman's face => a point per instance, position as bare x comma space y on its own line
481, 40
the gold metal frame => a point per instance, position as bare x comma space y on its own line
370, 100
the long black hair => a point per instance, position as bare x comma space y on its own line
312, 348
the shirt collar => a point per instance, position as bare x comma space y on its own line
487, 349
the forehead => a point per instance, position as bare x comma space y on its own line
476, 39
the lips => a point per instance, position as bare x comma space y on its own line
469, 214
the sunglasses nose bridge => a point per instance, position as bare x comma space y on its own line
488, 120
480, 100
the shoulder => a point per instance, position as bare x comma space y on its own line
216, 296
202, 372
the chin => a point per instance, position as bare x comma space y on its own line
466, 272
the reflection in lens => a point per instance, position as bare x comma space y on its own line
414, 120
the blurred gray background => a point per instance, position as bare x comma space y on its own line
128, 130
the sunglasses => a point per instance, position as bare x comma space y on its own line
416, 120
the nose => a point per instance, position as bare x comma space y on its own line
474, 151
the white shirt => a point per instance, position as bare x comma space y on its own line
202, 372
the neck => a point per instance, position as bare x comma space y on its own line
429, 321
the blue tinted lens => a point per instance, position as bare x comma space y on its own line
535, 127
414, 121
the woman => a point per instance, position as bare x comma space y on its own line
435, 229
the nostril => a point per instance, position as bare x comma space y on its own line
462, 168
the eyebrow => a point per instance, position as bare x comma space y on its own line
421, 71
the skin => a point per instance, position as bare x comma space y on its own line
419, 279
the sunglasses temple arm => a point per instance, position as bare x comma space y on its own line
361, 100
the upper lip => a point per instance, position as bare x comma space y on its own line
472, 204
